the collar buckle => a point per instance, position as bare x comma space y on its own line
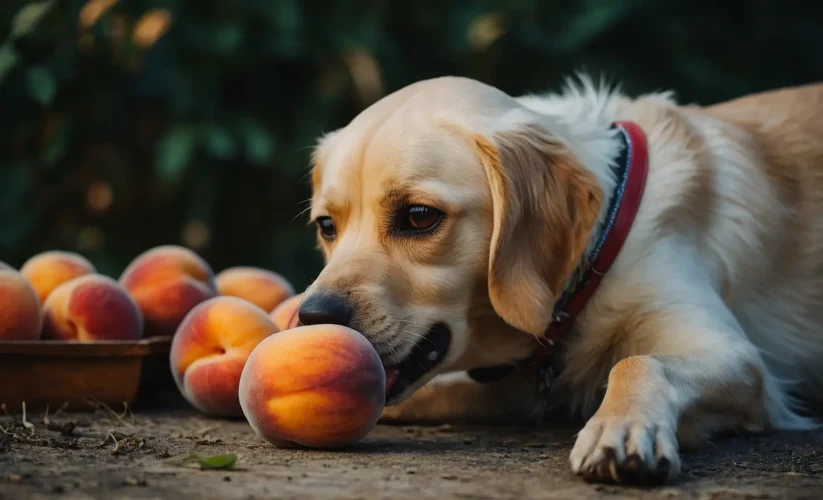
559, 317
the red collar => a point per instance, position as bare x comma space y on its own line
628, 193
633, 166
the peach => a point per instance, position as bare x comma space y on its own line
262, 288
285, 315
20, 315
48, 270
167, 282
5, 267
90, 308
210, 348
317, 386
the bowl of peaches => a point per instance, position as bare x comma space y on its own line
231, 342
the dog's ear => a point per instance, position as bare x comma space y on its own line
544, 208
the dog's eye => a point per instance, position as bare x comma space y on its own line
422, 217
326, 227
418, 219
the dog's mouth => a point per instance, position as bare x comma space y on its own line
426, 354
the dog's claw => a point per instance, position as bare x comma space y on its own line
625, 451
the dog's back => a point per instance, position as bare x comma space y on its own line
757, 187
783, 312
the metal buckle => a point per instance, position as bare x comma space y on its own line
559, 317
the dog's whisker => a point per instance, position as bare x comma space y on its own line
302, 212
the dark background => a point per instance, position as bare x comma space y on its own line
130, 124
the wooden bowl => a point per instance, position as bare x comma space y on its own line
53, 373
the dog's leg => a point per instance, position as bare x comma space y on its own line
704, 377
455, 397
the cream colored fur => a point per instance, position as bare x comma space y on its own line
711, 315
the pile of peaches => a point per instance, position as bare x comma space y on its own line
237, 348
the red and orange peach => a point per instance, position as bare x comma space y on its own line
263, 288
20, 313
167, 282
90, 308
48, 270
318, 386
210, 348
285, 315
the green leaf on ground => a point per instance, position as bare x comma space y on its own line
226, 461
215, 462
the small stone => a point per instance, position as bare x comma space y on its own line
446, 428
133, 481
227, 479
15, 478
448, 477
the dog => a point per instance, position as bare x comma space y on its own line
458, 224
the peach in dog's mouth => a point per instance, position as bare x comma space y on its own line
426, 354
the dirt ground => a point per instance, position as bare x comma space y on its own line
141, 455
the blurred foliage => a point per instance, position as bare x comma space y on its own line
129, 124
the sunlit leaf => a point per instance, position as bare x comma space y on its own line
227, 38
41, 85
174, 152
218, 142
8, 58
259, 142
27, 18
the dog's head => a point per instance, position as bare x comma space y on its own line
449, 216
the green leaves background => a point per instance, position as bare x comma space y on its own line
191, 122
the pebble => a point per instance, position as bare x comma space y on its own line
133, 481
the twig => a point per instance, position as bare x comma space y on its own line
28, 425
119, 417
110, 435
126, 411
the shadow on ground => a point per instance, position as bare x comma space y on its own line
108, 455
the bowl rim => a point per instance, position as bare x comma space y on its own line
101, 348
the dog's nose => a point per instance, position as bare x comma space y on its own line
325, 310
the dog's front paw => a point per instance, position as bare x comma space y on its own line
626, 450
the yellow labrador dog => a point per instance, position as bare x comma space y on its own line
658, 267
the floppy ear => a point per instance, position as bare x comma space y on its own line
545, 206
